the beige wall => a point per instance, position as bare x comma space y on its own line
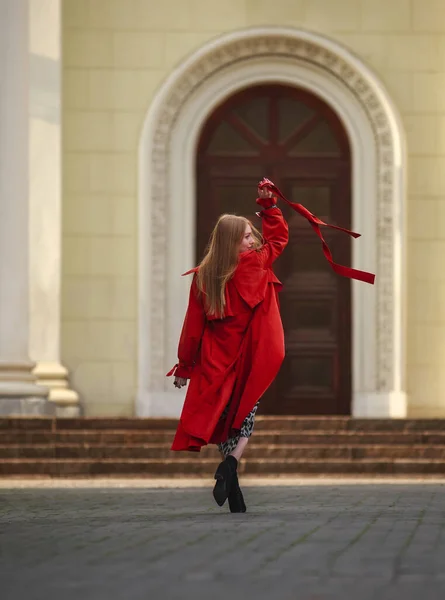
116, 55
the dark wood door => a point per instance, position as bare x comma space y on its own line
293, 138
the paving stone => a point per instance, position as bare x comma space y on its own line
378, 541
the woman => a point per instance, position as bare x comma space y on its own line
232, 341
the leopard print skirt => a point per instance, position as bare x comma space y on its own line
246, 431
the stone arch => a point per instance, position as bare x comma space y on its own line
167, 191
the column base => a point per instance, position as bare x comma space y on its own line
54, 376
26, 407
380, 405
23, 398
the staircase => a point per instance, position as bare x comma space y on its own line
280, 446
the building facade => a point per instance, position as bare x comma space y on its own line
149, 119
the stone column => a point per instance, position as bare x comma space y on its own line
19, 393
45, 199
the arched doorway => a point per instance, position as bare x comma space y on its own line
167, 202
293, 137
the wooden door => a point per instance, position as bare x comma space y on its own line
293, 138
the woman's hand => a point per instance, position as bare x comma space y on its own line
264, 192
265, 199
180, 382
264, 188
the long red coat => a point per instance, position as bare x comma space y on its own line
235, 358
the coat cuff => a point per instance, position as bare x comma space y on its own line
180, 370
262, 212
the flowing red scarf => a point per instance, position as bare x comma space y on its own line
315, 224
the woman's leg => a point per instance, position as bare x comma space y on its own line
235, 446
226, 474
236, 499
240, 447
226, 477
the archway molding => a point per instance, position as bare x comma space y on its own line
167, 155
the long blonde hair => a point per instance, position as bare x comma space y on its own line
221, 259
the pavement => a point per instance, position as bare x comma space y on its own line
300, 540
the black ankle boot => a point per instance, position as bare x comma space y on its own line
224, 477
236, 498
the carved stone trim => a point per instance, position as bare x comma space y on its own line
334, 64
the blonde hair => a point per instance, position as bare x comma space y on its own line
221, 259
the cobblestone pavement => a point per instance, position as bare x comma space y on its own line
333, 541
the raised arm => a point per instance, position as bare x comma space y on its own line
275, 235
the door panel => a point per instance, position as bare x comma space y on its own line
300, 144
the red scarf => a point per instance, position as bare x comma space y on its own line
315, 224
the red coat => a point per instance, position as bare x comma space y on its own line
235, 358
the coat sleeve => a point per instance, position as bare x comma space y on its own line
275, 235
191, 335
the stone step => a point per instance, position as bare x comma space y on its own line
84, 423
287, 423
205, 467
349, 424
253, 451
162, 436
50, 447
